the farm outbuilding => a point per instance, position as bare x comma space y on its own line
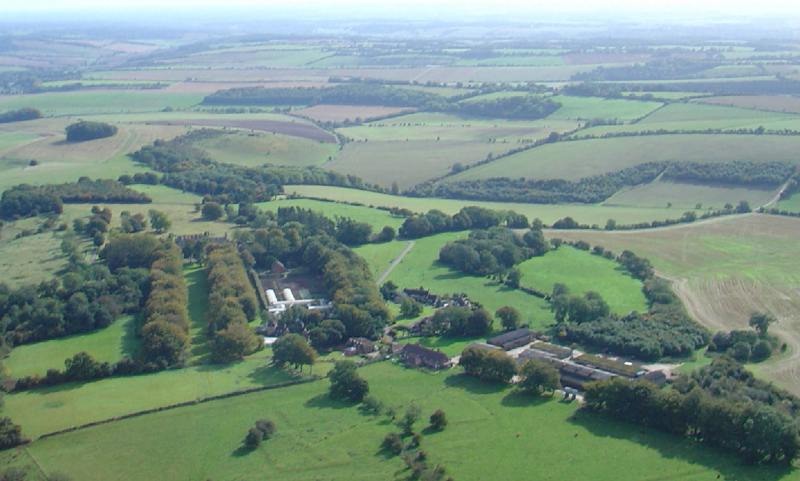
513, 339
415, 355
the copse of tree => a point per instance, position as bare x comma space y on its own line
293, 349
10, 434
485, 252
85, 298
352, 233
164, 333
20, 115
329, 333
470, 217
264, 429
457, 321
488, 365
760, 321
363, 94
85, 130
527, 107
346, 384
510, 318
159, 221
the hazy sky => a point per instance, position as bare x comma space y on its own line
722, 7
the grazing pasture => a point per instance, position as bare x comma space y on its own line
724, 269
574, 160
294, 128
28, 257
582, 272
109, 344
548, 213
51, 409
791, 204
311, 443
256, 149
345, 113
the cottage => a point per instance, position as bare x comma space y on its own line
415, 355
513, 339
423, 296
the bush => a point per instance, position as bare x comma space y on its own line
438, 420
392, 443
761, 351
346, 384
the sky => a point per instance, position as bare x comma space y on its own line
678, 7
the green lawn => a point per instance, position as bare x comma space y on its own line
108, 345
380, 256
493, 433
548, 213
582, 272
583, 158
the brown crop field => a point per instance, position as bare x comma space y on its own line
297, 129
775, 103
724, 269
342, 113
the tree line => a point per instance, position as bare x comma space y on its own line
664, 330
27, 200
20, 115
231, 304
720, 405
526, 107
470, 217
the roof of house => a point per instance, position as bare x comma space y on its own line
510, 336
429, 355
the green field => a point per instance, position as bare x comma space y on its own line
109, 344
600, 108
583, 158
583, 272
320, 439
791, 204
51, 409
659, 193
100, 101
197, 286
29, 259
253, 150
548, 213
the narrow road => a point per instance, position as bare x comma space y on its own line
395, 262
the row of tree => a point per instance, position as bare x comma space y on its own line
232, 304
20, 115
470, 217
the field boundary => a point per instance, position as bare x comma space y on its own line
183, 404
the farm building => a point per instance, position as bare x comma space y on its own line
423, 296
484, 346
513, 339
576, 376
278, 307
359, 346
415, 355
278, 268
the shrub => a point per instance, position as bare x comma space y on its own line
438, 420
392, 443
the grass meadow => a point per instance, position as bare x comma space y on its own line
791, 203
660, 193
100, 101
31, 258
583, 272
317, 438
548, 213
600, 108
